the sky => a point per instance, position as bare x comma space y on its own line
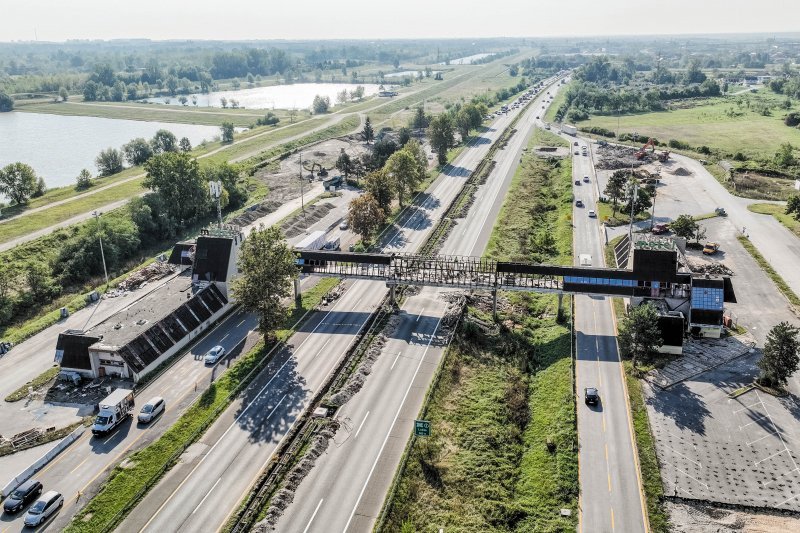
59, 20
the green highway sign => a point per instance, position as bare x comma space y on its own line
422, 428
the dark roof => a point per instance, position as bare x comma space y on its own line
211, 258
72, 350
181, 253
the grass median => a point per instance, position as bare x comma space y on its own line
126, 486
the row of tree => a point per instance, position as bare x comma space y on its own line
138, 151
20, 183
179, 199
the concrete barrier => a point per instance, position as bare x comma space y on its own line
42, 461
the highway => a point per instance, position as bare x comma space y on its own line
611, 497
346, 489
199, 493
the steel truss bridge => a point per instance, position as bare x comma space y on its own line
477, 273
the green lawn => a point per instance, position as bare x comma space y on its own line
709, 124
779, 212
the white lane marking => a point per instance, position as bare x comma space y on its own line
391, 426
206, 496
395, 361
240, 323
320, 350
111, 436
361, 425
313, 516
225, 337
420, 314
80, 465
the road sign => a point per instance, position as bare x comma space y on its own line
422, 428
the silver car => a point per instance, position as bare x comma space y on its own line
214, 355
50, 502
151, 409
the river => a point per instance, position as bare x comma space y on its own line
58, 146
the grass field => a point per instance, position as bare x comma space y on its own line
779, 212
161, 113
717, 123
503, 452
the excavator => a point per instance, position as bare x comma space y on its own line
651, 143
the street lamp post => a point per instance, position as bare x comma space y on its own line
100, 236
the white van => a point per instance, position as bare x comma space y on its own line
585, 260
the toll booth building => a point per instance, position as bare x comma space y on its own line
137, 339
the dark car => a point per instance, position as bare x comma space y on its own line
578, 203
591, 396
22, 496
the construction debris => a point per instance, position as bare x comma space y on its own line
680, 171
614, 157
716, 268
298, 223
151, 272
254, 212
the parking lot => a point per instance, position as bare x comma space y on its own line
712, 447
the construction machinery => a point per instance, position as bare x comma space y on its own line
643, 151
710, 248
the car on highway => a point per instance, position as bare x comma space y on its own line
344, 225
586, 179
591, 396
50, 502
22, 496
578, 203
214, 355
577, 152
577, 182
154, 407
575, 143
592, 214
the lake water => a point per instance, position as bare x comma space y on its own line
468, 59
412, 73
295, 96
58, 147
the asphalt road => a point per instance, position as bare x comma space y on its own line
346, 488
611, 498
205, 493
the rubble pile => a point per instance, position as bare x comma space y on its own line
680, 171
301, 221
285, 496
254, 212
613, 157
151, 272
709, 267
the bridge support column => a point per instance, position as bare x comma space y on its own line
391, 295
560, 314
494, 304
297, 294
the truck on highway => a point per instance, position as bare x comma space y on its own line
569, 129
114, 409
313, 241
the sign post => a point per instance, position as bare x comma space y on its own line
422, 428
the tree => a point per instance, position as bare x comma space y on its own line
232, 184
440, 133
420, 120
40, 189
137, 151
227, 132
321, 104
118, 91
6, 102
380, 186
267, 268
344, 164
365, 215
84, 180
223, 102
176, 178
172, 84
784, 157
185, 145
780, 358
639, 336
793, 206
341, 97
358, 93
109, 161
615, 188
403, 136
63, 94
183, 100
368, 133
18, 182
684, 226
40, 283
641, 202
164, 141
405, 171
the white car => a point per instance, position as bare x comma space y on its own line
47, 504
151, 409
344, 225
592, 214
214, 355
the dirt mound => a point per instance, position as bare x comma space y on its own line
254, 212
612, 157
680, 171
298, 223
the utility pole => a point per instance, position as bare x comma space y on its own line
96, 215
633, 206
302, 201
